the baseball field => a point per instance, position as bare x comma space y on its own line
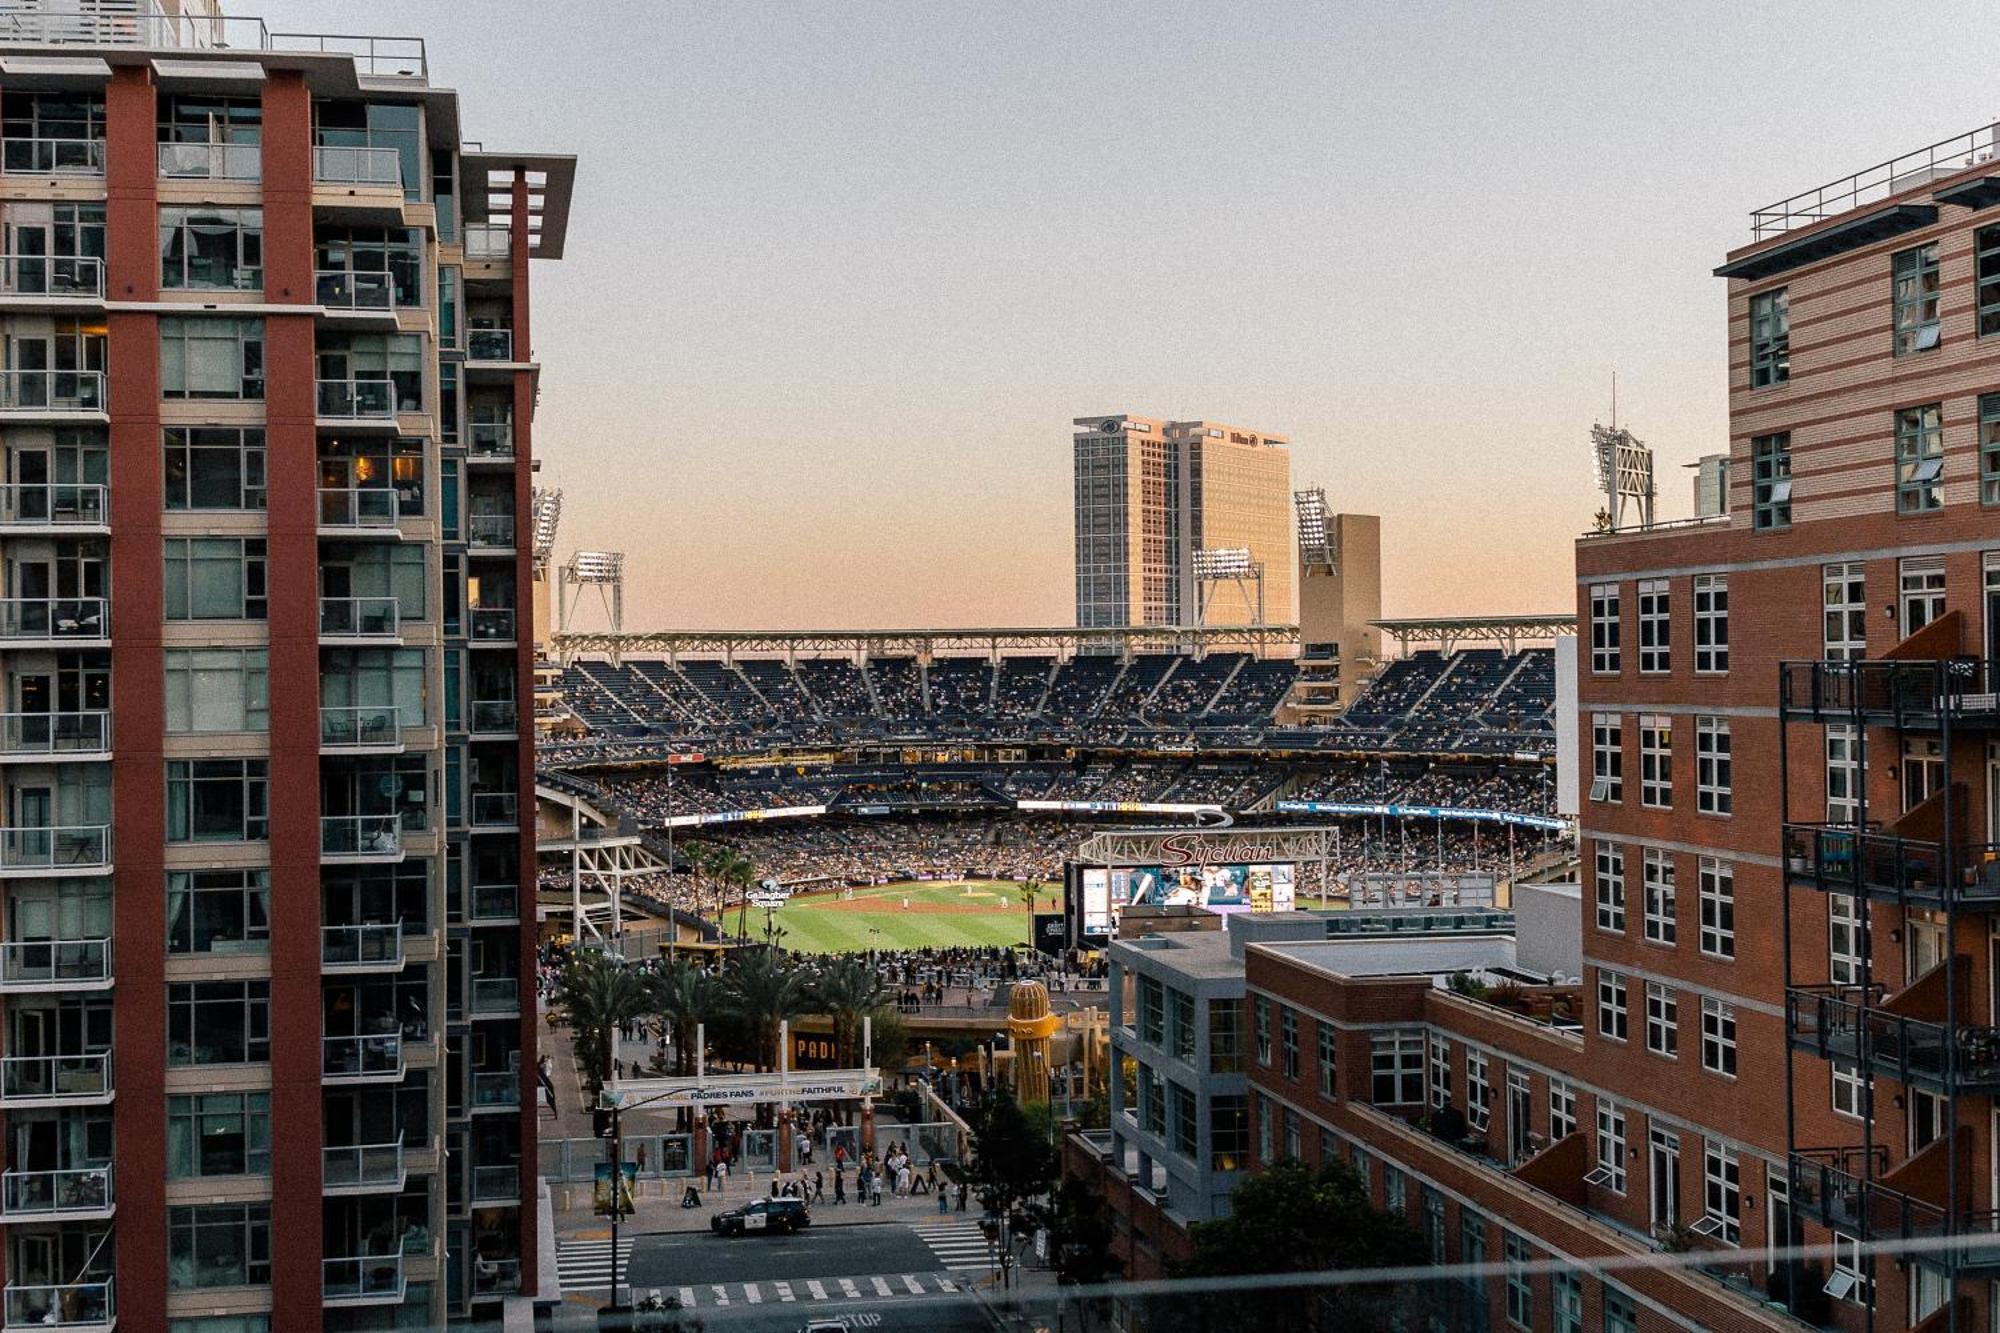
941, 915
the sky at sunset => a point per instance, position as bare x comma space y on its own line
840, 274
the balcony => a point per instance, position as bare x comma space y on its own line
367, 1168
82, 1307
357, 402
375, 947
485, 242
1840, 1023
376, 1058
493, 904
490, 532
494, 717
1828, 1185
360, 838
30, 1081
58, 510
495, 809
353, 291
496, 1184
362, 620
499, 1091
52, 157
42, 966
359, 511
495, 1277
81, 1194
495, 997
1912, 872
65, 849
73, 622
381, 168
490, 442
52, 279
1919, 695
489, 345
375, 1279
45, 736
212, 161
360, 730
492, 624
30, 395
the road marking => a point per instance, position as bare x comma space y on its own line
784, 1290
687, 1297
751, 1294
881, 1286
946, 1284
721, 1294
848, 1289
916, 1287
819, 1292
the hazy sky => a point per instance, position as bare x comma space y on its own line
839, 274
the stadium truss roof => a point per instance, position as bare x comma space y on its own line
1448, 632
927, 643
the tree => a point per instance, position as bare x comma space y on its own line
845, 991
601, 995
765, 992
685, 997
1292, 1218
1012, 1161
1080, 1234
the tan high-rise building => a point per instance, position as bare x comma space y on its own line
1340, 596
1151, 493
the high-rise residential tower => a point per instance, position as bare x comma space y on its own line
266, 974
1151, 495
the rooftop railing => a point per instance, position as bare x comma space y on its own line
1877, 182
146, 23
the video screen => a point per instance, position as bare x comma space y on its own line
1222, 889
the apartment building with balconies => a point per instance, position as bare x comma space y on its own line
265, 356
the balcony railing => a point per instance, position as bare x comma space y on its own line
55, 734
364, 728
336, 164
52, 157
363, 1168
375, 1279
488, 242
74, 1305
56, 849
493, 902
54, 506
71, 277
1914, 693
490, 439
55, 1079
496, 995
496, 1184
361, 837
493, 622
42, 618
495, 809
54, 964
495, 531
1840, 1023
374, 1058
35, 392
1842, 858
349, 289
489, 345
359, 618
1832, 1186
212, 161
1877, 182
359, 508
495, 1091
55, 1194
357, 399
376, 946
491, 1277
494, 715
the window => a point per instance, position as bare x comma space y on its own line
1711, 623
1326, 1059
1152, 1001
1656, 762
215, 578
218, 1245
1914, 284
1656, 874
1711, 765
1851, 1090
1920, 585
1849, 1279
217, 690
1771, 481
219, 1134
1718, 1037
211, 357
1225, 1036
1844, 598
1721, 1191
1478, 1091
1567, 1289
1433, 1211
1264, 1032
222, 1323
1770, 339
1927, 1119
1180, 1024
214, 467
1611, 1011
1604, 629
1607, 758
1397, 1066
1181, 1121
1520, 1292
377, 267
1395, 1189
1610, 1146
1989, 448
1621, 1311
1919, 459
212, 249
1843, 939
1294, 1139
1718, 907
218, 1022
218, 800
1655, 627
1929, 1290
1843, 774
218, 911
1229, 1132
1152, 1101
1440, 1073
1288, 1041
1662, 1021
1562, 1110
1610, 880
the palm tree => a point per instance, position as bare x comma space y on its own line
846, 991
764, 992
737, 873
601, 995
686, 998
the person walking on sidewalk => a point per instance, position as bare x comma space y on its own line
839, 1184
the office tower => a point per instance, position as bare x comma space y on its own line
1153, 495
1711, 485
266, 409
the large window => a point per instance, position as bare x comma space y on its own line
1844, 603
373, 268
214, 467
1327, 1050
1655, 627
218, 911
1915, 299
1397, 1067
1288, 1041
1712, 793
1721, 1191
1181, 1120
1520, 1289
217, 690
1843, 939
1919, 459
218, 800
1771, 481
1262, 1017
212, 249
1851, 1089
1711, 623
1656, 872
1663, 1020
218, 1022
1770, 339
1656, 761
1229, 1132
219, 1134
1225, 1036
1440, 1073
1986, 244
1718, 907
1152, 998
1604, 629
1613, 1013
1610, 881
1610, 1171
218, 1245
1607, 757
216, 578
211, 357
1718, 1037
1562, 1110
1843, 774
1180, 1024
1478, 1090
1920, 581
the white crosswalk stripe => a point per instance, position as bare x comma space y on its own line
832, 1289
848, 1289
687, 1297
961, 1247
881, 1285
819, 1292
784, 1290
585, 1265
751, 1294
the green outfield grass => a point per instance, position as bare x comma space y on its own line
822, 922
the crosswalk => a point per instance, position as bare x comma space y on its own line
961, 1247
585, 1265
805, 1291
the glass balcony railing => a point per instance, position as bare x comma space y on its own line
495, 1091
491, 530
492, 902
336, 164
57, 618
52, 157
362, 837
212, 161
490, 440
494, 715
55, 1079
377, 1057
359, 1168
495, 995
359, 618
495, 623
489, 345
46, 964
495, 809
74, 1305
348, 289
56, 735
496, 1184
494, 1277
487, 242
35, 392
56, 848
359, 508
376, 945
54, 506
69, 277
55, 1194
375, 1279
357, 399
371, 727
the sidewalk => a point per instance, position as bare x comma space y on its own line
658, 1207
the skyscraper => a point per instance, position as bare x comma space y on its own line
1151, 494
265, 414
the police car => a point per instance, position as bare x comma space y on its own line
779, 1215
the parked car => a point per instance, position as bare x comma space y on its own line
779, 1215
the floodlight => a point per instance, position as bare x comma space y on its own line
1314, 547
597, 566
1222, 562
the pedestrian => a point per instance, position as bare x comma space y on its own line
839, 1185
722, 1179
819, 1186
944, 1201
961, 1196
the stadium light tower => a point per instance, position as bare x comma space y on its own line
1624, 474
1316, 548
603, 570
546, 509
1228, 564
